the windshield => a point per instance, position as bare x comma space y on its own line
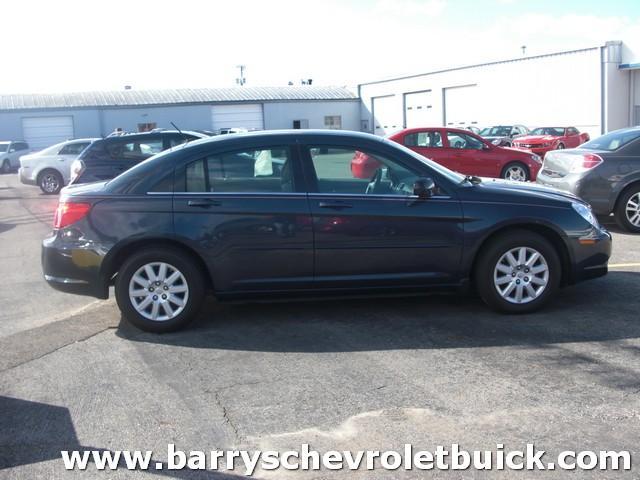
496, 132
612, 141
3, 147
553, 131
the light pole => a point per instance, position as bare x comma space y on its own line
241, 80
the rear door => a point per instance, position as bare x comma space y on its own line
246, 212
572, 137
374, 233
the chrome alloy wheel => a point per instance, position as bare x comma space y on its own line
521, 275
632, 210
515, 173
50, 183
158, 291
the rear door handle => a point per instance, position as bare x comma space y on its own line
204, 203
335, 205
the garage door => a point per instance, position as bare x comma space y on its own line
247, 116
387, 115
42, 132
419, 111
461, 106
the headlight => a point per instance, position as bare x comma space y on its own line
536, 158
585, 212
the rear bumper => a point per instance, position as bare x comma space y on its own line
25, 178
73, 268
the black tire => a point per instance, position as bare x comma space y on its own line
6, 166
525, 169
507, 144
560, 146
620, 212
50, 182
492, 253
174, 258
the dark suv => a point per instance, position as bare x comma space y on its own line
107, 158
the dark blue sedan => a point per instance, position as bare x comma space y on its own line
281, 213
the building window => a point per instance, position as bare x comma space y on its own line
146, 127
334, 122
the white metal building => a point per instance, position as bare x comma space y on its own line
594, 89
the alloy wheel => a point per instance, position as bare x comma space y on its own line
521, 275
632, 209
158, 291
50, 183
515, 173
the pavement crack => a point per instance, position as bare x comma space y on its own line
227, 418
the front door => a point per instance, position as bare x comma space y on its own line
373, 232
472, 157
244, 212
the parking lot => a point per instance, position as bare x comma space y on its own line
337, 374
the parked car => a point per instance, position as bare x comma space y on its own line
503, 135
473, 129
10, 153
461, 151
50, 168
188, 221
227, 131
109, 157
604, 172
544, 139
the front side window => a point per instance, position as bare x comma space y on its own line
461, 140
341, 170
423, 139
4, 147
553, 131
246, 171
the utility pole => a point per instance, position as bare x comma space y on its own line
524, 50
241, 80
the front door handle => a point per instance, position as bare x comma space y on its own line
204, 203
335, 205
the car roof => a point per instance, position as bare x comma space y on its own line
139, 135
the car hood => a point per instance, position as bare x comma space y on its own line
495, 137
536, 138
521, 192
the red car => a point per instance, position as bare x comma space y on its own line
459, 150
544, 139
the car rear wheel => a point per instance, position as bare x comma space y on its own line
50, 182
628, 210
159, 290
515, 171
519, 272
6, 166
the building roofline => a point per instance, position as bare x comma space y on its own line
496, 62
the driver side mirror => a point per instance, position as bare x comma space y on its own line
485, 147
423, 187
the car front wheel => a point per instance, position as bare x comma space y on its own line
518, 272
160, 289
50, 182
628, 210
515, 171
6, 166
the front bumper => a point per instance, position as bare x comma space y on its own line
537, 150
591, 255
73, 267
25, 178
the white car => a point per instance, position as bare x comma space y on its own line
10, 153
50, 168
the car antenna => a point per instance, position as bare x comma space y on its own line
176, 127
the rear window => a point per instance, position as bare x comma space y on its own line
612, 141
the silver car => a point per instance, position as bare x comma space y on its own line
10, 153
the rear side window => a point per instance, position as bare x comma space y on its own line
423, 139
140, 149
248, 171
612, 141
17, 146
73, 148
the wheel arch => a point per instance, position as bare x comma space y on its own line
544, 230
117, 256
633, 183
516, 161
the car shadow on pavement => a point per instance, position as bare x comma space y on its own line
601, 310
33, 432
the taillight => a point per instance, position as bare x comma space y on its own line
585, 162
69, 213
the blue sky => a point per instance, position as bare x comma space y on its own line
70, 45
